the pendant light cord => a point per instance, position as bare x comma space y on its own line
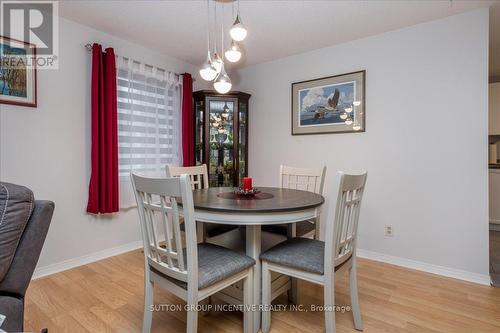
222, 32
208, 25
215, 27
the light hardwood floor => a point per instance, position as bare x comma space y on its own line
106, 296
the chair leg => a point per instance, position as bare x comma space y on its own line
192, 317
201, 236
317, 228
292, 292
248, 302
148, 303
192, 309
353, 287
329, 291
266, 297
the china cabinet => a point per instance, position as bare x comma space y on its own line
221, 135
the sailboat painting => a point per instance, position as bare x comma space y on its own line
333, 104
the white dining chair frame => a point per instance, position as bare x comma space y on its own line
198, 176
306, 179
168, 189
340, 251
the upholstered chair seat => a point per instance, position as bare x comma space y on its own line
215, 263
300, 253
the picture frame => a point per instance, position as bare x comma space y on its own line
18, 77
329, 105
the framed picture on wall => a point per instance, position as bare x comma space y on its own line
17, 72
334, 104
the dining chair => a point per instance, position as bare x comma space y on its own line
199, 180
192, 273
307, 179
317, 261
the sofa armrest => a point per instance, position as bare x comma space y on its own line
21, 270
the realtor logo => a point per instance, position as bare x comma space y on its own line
33, 22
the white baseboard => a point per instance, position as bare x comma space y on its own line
425, 267
86, 259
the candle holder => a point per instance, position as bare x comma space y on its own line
246, 193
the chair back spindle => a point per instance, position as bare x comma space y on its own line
341, 235
159, 196
198, 174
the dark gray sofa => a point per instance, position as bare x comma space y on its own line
24, 223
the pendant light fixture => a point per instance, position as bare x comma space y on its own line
213, 68
238, 31
208, 72
222, 83
233, 54
217, 63
216, 59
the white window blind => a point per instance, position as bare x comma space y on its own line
148, 122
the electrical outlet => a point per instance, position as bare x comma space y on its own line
389, 231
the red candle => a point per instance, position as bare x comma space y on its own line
247, 183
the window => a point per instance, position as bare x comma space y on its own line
148, 119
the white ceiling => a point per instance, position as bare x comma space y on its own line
276, 28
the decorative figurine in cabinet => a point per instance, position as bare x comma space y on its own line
221, 135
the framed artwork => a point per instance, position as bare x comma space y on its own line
334, 104
17, 72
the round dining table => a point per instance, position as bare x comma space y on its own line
270, 206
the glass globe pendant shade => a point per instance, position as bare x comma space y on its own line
356, 127
356, 103
238, 31
343, 116
208, 72
234, 52
348, 109
348, 121
217, 63
223, 83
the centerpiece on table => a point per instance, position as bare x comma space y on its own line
247, 190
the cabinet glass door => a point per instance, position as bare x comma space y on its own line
198, 153
242, 137
221, 133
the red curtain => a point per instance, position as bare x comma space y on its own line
103, 187
187, 121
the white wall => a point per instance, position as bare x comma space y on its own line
425, 148
47, 149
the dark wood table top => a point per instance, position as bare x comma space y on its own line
282, 200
